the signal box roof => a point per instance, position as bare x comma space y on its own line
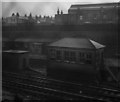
77, 43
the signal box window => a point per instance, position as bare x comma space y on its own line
72, 56
81, 17
52, 54
66, 55
58, 55
81, 58
88, 58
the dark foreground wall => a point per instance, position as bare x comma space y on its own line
72, 72
61, 27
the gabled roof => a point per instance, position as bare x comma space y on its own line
77, 43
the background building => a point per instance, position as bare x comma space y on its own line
15, 19
90, 13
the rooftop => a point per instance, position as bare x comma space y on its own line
15, 51
77, 43
90, 6
20, 17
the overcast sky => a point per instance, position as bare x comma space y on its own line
41, 7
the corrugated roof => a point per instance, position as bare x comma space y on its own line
77, 43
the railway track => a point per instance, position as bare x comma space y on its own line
78, 89
46, 93
25, 89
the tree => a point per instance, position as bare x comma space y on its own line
36, 17
61, 12
25, 15
58, 11
17, 14
44, 16
39, 16
13, 14
30, 15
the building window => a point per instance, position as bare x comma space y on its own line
104, 16
58, 55
52, 54
24, 62
72, 56
69, 56
88, 61
66, 55
81, 57
26, 45
88, 58
37, 46
85, 58
81, 17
